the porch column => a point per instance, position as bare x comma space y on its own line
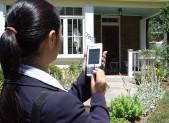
2, 18
143, 34
89, 24
130, 62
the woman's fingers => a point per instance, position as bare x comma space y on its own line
104, 59
98, 81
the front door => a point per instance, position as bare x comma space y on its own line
110, 40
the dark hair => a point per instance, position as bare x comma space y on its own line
32, 20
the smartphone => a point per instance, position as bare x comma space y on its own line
94, 57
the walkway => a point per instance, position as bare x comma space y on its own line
117, 88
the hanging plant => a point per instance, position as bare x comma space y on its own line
146, 54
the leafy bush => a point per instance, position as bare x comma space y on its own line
55, 72
150, 90
1, 78
71, 74
118, 120
126, 107
137, 78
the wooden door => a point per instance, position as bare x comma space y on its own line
110, 40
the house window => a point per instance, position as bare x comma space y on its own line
70, 10
72, 31
110, 20
61, 50
75, 36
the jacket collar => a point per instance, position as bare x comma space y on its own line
40, 75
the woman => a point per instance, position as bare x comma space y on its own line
31, 41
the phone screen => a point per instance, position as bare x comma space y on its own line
94, 56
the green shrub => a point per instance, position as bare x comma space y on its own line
138, 78
126, 107
55, 72
75, 68
1, 77
118, 120
71, 74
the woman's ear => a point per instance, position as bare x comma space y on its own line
52, 39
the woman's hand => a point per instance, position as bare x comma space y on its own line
103, 61
98, 81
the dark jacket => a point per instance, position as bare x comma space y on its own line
61, 106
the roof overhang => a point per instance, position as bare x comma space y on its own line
143, 8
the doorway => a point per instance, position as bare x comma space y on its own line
110, 40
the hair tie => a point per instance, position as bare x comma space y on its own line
11, 29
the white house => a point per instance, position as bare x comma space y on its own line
119, 24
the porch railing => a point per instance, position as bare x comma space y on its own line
135, 64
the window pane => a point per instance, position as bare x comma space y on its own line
80, 26
115, 19
62, 10
110, 19
70, 45
104, 19
61, 50
74, 37
77, 34
78, 45
77, 11
70, 27
75, 24
69, 11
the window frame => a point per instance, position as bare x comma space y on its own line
65, 37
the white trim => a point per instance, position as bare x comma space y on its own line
72, 17
65, 36
70, 56
89, 24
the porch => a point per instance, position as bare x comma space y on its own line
133, 65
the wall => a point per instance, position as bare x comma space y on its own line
130, 34
97, 28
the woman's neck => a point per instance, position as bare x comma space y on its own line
37, 62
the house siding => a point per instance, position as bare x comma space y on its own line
97, 28
130, 38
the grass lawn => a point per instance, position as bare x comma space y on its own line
161, 112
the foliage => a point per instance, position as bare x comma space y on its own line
164, 16
150, 90
1, 78
126, 107
71, 74
137, 78
158, 25
157, 57
55, 71
118, 120
155, 30
144, 54
161, 113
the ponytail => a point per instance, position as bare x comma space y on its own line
10, 111
28, 23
